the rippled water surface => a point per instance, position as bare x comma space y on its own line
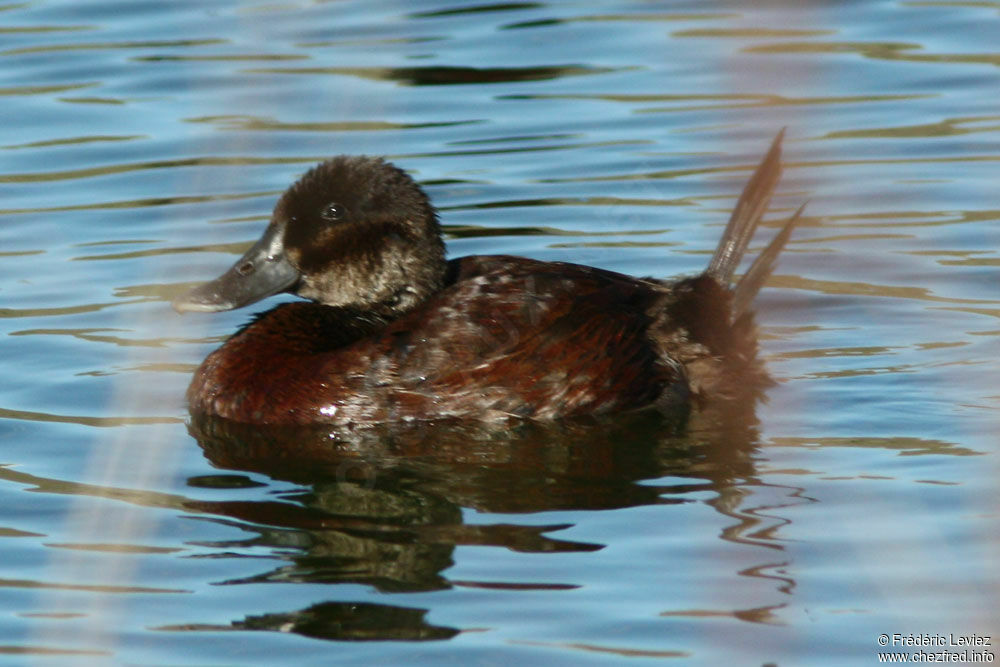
142, 147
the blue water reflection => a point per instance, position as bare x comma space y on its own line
141, 150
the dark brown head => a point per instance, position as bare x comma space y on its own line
353, 231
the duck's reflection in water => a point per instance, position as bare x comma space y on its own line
351, 621
383, 506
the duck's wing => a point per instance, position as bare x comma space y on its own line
534, 339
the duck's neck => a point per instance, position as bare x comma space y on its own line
309, 328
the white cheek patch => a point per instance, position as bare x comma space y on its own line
277, 247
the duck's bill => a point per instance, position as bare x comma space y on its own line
261, 272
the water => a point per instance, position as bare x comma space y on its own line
142, 147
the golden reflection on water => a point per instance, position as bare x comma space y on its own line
880, 51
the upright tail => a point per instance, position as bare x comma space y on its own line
718, 345
749, 210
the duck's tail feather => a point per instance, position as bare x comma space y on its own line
746, 215
751, 281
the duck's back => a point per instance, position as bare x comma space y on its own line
507, 336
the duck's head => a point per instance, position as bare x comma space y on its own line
353, 231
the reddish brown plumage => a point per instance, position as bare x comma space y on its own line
507, 337
399, 335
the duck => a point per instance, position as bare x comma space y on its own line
389, 331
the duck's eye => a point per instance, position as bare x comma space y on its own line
332, 212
